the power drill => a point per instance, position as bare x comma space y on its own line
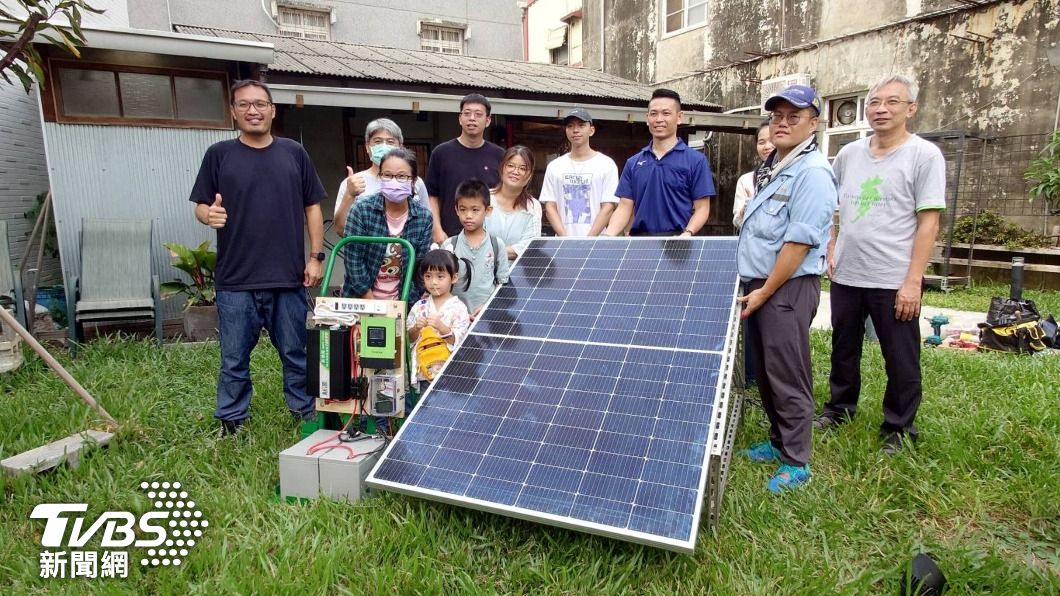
936, 323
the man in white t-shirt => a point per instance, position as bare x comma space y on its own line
892, 190
578, 192
381, 136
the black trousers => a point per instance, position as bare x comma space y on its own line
779, 334
900, 343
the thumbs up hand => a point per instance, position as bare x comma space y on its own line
216, 216
355, 183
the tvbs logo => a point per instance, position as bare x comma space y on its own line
167, 531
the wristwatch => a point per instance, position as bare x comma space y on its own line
318, 256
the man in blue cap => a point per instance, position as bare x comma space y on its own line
666, 187
780, 257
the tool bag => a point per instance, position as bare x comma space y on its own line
1012, 326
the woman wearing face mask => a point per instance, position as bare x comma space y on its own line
380, 137
376, 270
745, 186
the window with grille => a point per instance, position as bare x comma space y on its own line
681, 14
444, 40
303, 23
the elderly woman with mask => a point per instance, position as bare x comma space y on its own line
376, 270
380, 137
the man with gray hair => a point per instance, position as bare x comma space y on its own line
891, 192
380, 137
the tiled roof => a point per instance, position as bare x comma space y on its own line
355, 61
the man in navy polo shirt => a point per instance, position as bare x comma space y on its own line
666, 187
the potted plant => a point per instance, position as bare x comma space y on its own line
200, 311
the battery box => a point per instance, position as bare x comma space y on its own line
329, 472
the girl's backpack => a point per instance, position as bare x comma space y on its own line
431, 353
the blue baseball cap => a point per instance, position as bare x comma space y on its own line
799, 96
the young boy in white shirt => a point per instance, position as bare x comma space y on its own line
578, 192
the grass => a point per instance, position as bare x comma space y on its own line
977, 298
979, 492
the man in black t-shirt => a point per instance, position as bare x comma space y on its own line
255, 190
468, 156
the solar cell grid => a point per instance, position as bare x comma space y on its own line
662, 295
622, 453
585, 394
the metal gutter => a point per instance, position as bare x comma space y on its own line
165, 42
417, 101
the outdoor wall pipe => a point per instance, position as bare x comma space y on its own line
58, 368
1015, 291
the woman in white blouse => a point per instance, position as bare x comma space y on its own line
516, 214
745, 186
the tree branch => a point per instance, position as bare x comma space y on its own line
27, 35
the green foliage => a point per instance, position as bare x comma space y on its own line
990, 228
51, 240
979, 492
38, 18
58, 315
1044, 172
199, 264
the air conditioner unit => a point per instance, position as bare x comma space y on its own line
770, 87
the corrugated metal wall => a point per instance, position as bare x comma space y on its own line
23, 174
124, 172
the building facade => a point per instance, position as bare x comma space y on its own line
553, 31
23, 167
486, 28
982, 67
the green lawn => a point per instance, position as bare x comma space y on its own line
977, 298
980, 492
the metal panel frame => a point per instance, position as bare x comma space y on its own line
725, 417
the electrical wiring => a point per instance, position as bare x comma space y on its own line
327, 443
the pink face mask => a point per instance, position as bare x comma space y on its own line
395, 191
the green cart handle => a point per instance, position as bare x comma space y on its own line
406, 285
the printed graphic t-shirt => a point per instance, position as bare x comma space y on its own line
878, 204
388, 281
578, 188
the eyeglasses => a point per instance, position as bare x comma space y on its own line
473, 114
891, 103
398, 177
516, 168
260, 104
381, 141
792, 119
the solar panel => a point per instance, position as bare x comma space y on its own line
591, 393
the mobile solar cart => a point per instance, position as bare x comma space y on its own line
358, 360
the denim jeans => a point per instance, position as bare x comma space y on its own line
241, 317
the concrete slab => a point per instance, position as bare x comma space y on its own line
55, 453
